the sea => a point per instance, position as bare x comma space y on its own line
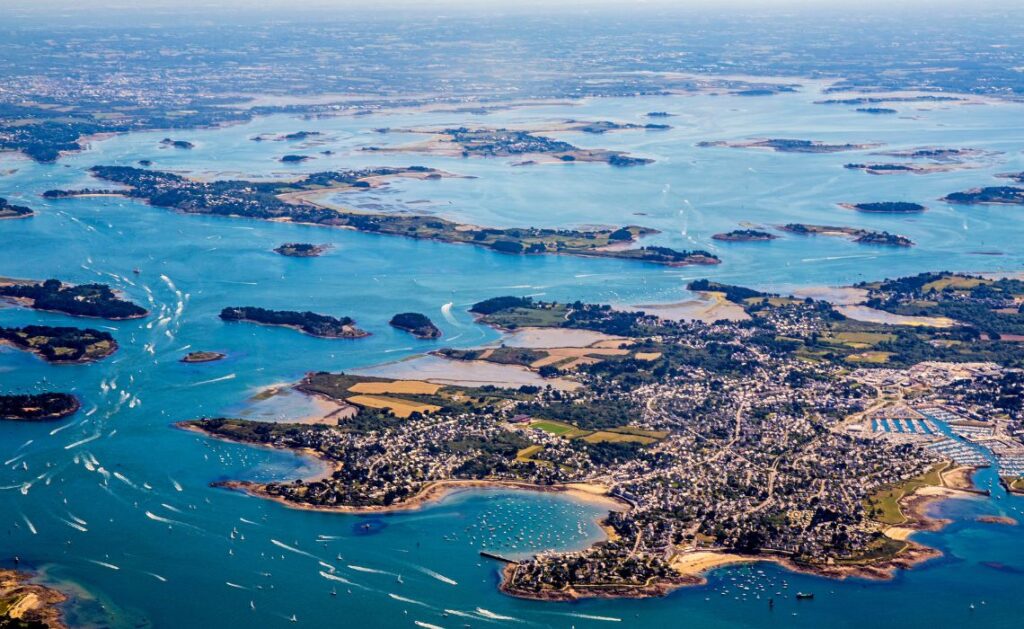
115, 506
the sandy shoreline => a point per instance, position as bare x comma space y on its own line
431, 493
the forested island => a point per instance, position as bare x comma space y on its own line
885, 207
82, 300
783, 145
301, 249
60, 344
8, 210
876, 110
284, 201
311, 323
293, 159
38, 407
858, 235
417, 324
995, 195
745, 235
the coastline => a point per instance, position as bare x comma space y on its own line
32, 602
432, 492
692, 566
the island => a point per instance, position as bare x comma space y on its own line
876, 110
416, 324
745, 235
885, 207
993, 195
887, 168
286, 137
60, 344
782, 145
301, 249
8, 210
603, 126
1018, 177
27, 605
311, 323
293, 159
798, 435
83, 300
178, 144
659, 114
939, 154
291, 201
38, 407
203, 357
858, 235
483, 142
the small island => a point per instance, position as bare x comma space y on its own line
416, 324
885, 207
745, 235
178, 144
38, 407
60, 344
857, 235
886, 168
993, 195
203, 357
285, 137
14, 211
301, 249
783, 145
658, 114
877, 111
603, 126
1018, 177
83, 300
311, 323
294, 159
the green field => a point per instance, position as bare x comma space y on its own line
883, 505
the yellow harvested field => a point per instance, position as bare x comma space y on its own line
401, 408
412, 387
647, 355
602, 436
558, 354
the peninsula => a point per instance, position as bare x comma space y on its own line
723, 440
38, 407
8, 210
82, 300
416, 324
60, 344
311, 323
287, 201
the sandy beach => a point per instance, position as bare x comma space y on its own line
711, 307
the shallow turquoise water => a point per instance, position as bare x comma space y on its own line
191, 267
